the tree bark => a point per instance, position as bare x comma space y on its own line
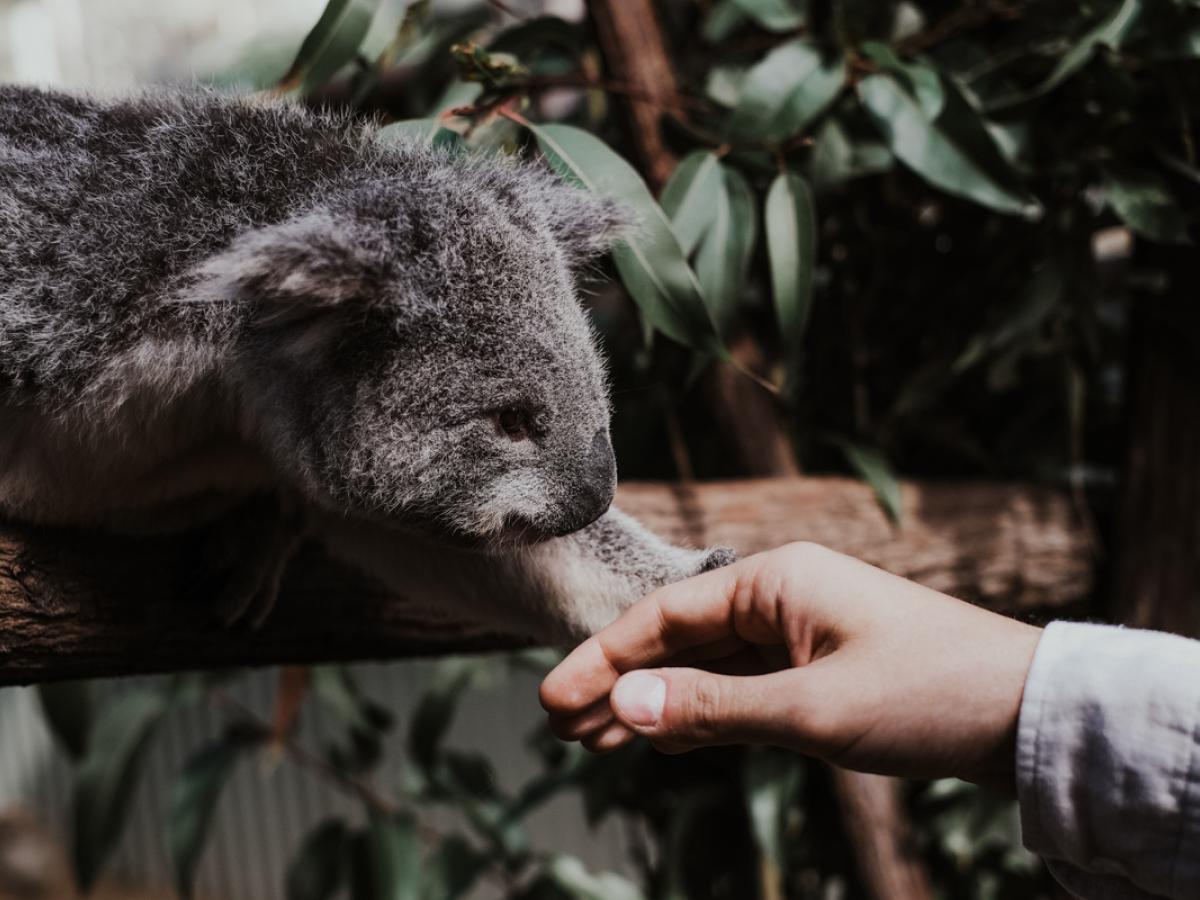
77, 604
632, 41
1158, 563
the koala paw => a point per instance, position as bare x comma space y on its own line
718, 558
246, 557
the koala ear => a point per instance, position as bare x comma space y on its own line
300, 267
587, 224
300, 281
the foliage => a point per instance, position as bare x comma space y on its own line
898, 205
848, 175
725, 823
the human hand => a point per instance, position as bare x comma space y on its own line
804, 648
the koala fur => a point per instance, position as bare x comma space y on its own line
204, 300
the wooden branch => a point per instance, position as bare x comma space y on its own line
1158, 563
635, 51
79, 604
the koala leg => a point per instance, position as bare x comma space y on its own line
245, 558
557, 591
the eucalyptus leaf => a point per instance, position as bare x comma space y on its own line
653, 266
105, 780
836, 158
435, 711
67, 706
332, 42
1144, 202
1110, 31
872, 466
722, 20
931, 153
338, 689
452, 870
718, 261
194, 801
771, 780
791, 230
922, 81
319, 868
689, 197
393, 851
773, 15
569, 874
785, 91
429, 131
386, 27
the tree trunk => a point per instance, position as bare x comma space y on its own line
1158, 563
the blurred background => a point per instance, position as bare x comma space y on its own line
943, 241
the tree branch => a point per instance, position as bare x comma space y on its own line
77, 604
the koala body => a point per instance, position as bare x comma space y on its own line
203, 300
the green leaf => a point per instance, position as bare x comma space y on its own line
922, 82
569, 874
771, 780
393, 856
388, 28
785, 91
106, 778
930, 152
333, 42
338, 689
430, 132
1143, 201
773, 15
1108, 32
689, 195
724, 252
791, 228
836, 159
872, 466
452, 870
67, 706
722, 20
320, 866
194, 801
653, 266
435, 711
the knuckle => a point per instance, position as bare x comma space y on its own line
706, 707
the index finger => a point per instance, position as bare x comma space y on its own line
664, 623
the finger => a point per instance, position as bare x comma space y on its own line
614, 736
686, 708
670, 621
571, 728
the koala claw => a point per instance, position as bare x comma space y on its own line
248, 556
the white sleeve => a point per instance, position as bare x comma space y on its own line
1108, 761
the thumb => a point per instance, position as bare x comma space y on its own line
686, 708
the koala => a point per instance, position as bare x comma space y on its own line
219, 311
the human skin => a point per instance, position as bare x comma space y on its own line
808, 649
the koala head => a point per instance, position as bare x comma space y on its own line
412, 349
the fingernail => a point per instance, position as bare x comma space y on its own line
639, 697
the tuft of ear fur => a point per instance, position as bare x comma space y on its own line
586, 224
296, 267
296, 280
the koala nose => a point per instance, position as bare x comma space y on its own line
597, 483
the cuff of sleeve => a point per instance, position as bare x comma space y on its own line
1108, 760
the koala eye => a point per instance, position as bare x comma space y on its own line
514, 422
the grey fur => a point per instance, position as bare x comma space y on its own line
202, 298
